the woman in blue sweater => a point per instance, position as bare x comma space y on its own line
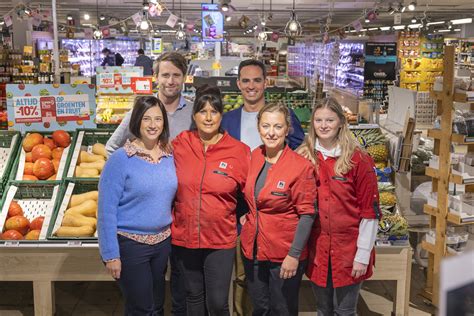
136, 192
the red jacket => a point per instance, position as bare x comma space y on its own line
343, 202
208, 183
289, 191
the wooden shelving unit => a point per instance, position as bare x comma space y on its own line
440, 215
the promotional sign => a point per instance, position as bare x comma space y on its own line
381, 49
157, 46
380, 60
212, 23
49, 107
116, 79
142, 85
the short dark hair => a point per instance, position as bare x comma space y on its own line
141, 51
205, 94
252, 62
143, 104
176, 59
106, 50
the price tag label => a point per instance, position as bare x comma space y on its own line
74, 243
142, 85
12, 243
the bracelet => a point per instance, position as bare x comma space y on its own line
111, 260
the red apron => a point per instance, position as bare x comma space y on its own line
343, 201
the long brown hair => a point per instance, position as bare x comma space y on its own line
345, 139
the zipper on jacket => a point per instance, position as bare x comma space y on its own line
200, 202
255, 252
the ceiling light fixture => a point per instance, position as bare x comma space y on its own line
401, 8
385, 28
87, 16
435, 23
367, 20
413, 20
27, 11
391, 10
293, 27
102, 17
262, 36
398, 27
412, 6
69, 17
228, 18
146, 5
225, 7
462, 21
2, 22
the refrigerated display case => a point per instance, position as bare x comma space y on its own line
350, 68
87, 53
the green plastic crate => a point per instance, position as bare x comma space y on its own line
83, 140
69, 187
16, 173
9, 143
37, 198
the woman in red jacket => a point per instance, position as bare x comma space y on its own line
212, 168
341, 253
281, 194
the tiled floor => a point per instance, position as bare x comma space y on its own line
104, 298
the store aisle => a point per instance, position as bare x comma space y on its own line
104, 298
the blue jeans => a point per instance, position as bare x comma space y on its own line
341, 301
143, 275
270, 294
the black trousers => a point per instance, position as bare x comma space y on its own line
207, 275
178, 292
270, 294
143, 275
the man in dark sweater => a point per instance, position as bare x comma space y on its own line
111, 59
145, 62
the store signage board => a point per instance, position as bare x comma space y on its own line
142, 85
212, 23
157, 45
397, 19
8, 20
116, 79
47, 107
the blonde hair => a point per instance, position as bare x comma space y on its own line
345, 140
276, 106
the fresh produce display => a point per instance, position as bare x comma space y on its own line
80, 217
378, 152
18, 227
393, 225
90, 165
9, 144
41, 156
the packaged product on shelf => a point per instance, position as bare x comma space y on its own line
75, 214
27, 210
42, 156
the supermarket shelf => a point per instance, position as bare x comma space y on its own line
456, 219
458, 97
430, 210
455, 138
428, 246
454, 178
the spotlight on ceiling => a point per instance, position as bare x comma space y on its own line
225, 7
228, 18
401, 8
146, 5
412, 6
102, 17
87, 16
69, 17
391, 10
413, 20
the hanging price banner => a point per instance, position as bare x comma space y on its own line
142, 85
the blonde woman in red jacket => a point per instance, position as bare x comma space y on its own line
281, 194
212, 168
341, 245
